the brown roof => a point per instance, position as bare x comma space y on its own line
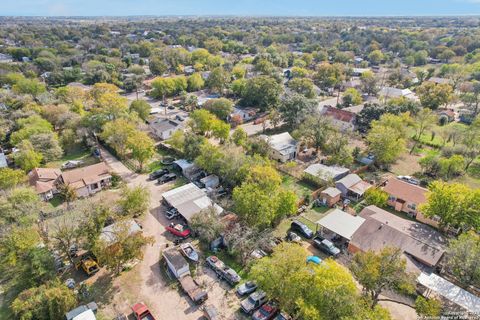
338, 114
43, 179
406, 191
81, 177
382, 229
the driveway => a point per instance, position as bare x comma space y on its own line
146, 281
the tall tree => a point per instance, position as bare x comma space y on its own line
377, 272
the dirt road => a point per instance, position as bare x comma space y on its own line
146, 282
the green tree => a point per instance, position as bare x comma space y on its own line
116, 134
423, 120
239, 137
157, 66
48, 301
142, 147
376, 197
125, 247
195, 82
428, 308
433, 95
221, 130
351, 97
207, 225
387, 137
329, 75
134, 201
314, 131
29, 86
463, 258
376, 57
201, 121
217, 80
369, 83
303, 86
377, 272
142, 108
220, 107
448, 201
26, 157
30, 126
262, 92
294, 108
452, 166
10, 178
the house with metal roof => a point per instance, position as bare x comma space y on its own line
323, 174
189, 200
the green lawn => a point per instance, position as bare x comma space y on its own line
79, 153
56, 201
300, 188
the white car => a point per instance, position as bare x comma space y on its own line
71, 164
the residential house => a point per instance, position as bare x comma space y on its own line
330, 196
44, 181
357, 72
88, 180
164, 128
246, 114
407, 197
421, 245
344, 120
323, 174
438, 80
389, 92
352, 186
109, 233
189, 200
448, 113
282, 146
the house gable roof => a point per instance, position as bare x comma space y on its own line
81, 177
338, 114
406, 191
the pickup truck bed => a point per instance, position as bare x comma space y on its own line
192, 289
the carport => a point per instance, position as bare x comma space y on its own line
340, 224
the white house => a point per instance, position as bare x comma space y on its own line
282, 146
164, 128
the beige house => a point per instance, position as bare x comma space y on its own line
407, 197
87, 180
44, 181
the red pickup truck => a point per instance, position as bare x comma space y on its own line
141, 312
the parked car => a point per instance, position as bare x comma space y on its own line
72, 164
326, 246
246, 288
302, 229
171, 213
157, 174
253, 302
222, 270
409, 179
282, 316
293, 237
266, 312
166, 178
179, 117
141, 312
179, 230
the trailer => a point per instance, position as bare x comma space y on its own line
178, 266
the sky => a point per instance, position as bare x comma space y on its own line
239, 7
